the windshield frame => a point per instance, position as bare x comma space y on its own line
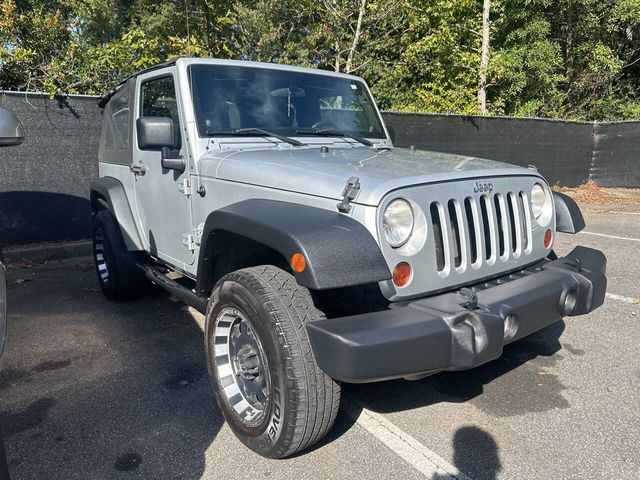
375, 118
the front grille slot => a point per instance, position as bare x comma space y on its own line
436, 224
523, 205
513, 223
477, 231
471, 228
502, 224
488, 225
455, 234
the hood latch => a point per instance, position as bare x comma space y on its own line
349, 194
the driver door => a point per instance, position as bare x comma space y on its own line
161, 194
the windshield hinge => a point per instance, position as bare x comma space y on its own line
185, 187
349, 194
188, 241
197, 234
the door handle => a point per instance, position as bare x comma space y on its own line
137, 169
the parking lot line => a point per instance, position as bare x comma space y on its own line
427, 462
584, 232
604, 210
633, 301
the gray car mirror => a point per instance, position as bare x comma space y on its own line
11, 131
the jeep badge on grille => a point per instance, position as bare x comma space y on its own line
482, 187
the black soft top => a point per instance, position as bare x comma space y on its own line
102, 101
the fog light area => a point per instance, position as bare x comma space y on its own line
569, 302
510, 326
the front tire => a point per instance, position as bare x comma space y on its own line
272, 393
119, 276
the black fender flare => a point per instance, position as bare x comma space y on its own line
109, 193
339, 251
569, 218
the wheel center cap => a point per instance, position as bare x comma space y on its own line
248, 363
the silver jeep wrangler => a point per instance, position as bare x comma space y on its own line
271, 199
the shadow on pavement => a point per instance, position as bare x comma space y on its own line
474, 450
97, 389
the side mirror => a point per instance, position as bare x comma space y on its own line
156, 133
11, 131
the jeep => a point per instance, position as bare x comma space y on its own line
271, 199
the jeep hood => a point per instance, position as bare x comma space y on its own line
308, 170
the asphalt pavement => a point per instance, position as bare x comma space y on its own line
92, 389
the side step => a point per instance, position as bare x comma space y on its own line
179, 291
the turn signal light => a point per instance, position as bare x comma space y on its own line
548, 237
401, 274
298, 262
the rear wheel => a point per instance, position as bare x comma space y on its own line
268, 386
119, 276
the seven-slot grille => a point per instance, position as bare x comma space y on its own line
477, 231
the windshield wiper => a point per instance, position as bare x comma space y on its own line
257, 132
330, 132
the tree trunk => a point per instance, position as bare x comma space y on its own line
568, 71
207, 21
356, 36
484, 59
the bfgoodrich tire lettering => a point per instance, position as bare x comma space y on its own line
118, 275
302, 401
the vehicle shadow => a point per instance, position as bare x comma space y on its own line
98, 389
514, 384
532, 354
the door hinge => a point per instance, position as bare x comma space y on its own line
185, 187
137, 169
189, 242
349, 194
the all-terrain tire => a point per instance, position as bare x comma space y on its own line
119, 276
302, 401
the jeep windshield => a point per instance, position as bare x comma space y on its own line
229, 99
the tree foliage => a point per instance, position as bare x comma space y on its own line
557, 58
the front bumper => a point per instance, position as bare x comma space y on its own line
450, 332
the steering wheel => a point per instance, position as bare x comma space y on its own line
324, 125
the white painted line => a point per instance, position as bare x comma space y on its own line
620, 298
610, 236
604, 210
401, 443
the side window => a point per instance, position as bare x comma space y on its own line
158, 99
117, 121
120, 117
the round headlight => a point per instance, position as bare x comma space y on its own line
397, 222
538, 200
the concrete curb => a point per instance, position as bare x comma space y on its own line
45, 252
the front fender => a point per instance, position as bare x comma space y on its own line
339, 251
569, 218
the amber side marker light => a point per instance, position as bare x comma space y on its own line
298, 262
548, 236
401, 274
